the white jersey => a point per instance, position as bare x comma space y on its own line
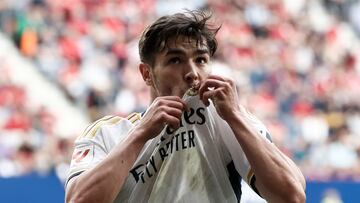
200, 162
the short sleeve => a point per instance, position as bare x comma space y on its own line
96, 142
233, 147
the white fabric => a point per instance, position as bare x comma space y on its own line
188, 165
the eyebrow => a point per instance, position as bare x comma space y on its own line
182, 52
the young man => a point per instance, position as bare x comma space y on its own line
195, 141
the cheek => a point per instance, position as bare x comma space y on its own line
171, 76
204, 73
168, 80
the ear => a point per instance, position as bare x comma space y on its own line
145, 73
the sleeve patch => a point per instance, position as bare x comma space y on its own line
82, 155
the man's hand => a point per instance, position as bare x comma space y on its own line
110, 174
163, 110
287, 184
222, 92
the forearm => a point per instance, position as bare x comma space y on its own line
277, 177
103, 182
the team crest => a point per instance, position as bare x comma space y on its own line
192, 92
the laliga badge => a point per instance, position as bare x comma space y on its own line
83, 154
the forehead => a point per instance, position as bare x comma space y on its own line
184, 42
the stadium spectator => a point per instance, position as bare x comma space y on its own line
300, 59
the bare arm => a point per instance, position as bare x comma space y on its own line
277, 177
103, 182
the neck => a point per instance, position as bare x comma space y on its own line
153, 94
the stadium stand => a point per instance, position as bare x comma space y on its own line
296, 64
38, 124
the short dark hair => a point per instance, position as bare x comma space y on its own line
192, 24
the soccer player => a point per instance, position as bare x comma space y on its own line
194, 143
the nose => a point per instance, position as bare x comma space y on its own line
191, 75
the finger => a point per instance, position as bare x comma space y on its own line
208, 95
178, 99
172, 121
185, 106
208, 84
229, 81
174, 102
212, 83
217, 77
175, 98
172, 111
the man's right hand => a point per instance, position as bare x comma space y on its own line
166, 110
163, 111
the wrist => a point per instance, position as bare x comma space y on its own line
137, 136
235, 118
232, 115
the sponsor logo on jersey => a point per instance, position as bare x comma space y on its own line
171, 142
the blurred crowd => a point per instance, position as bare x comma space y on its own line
296, 64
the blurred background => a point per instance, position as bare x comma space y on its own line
66, 63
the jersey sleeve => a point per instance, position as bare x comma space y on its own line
233, 147
94, 144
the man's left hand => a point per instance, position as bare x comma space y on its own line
222, 92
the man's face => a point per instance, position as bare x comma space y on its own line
181, 65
